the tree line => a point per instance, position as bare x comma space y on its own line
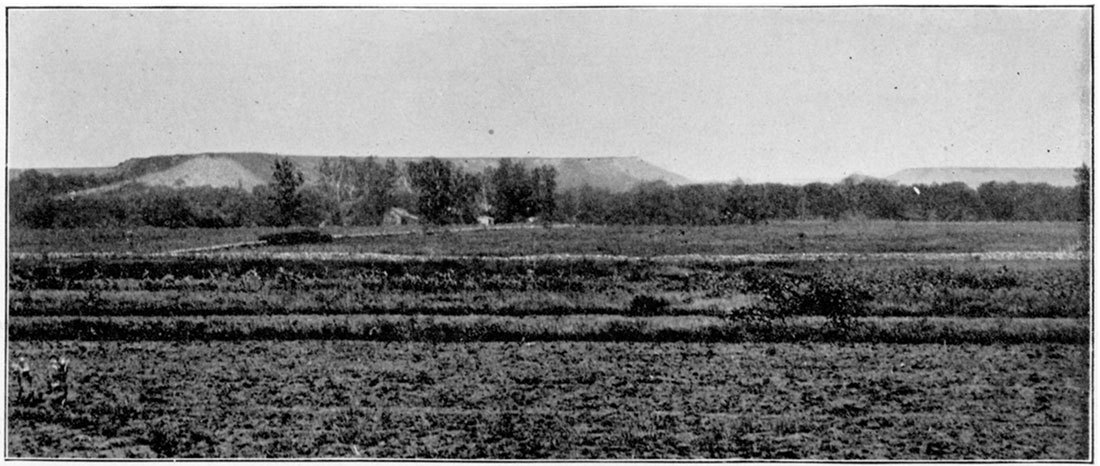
353, 191
350, 192
717, 204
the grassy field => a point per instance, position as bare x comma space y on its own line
145, 240
431, 355
776, 237
779, 237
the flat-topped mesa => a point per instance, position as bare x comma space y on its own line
976, 176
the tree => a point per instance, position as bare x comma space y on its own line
517, 194
1000, 199
512, 193
239, 208
594, 205
656, 203
379, 194
342, 181
359, 191
287, 199
1027, 201
38, 200
871, 198
93, 211
316, 207
951, 201
166, 208
1084, 206
747, 202
701, 204
29, 198
544, 184
444, 193
824, 200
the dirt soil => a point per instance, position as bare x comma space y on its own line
556, 400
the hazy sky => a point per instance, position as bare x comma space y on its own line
711, 93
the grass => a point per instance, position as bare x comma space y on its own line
548, 328
775, 237
144, 240
152, 286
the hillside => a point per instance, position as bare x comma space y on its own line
248, 170
975, 176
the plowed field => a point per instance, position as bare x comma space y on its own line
560, 400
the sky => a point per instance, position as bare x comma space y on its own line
714, 94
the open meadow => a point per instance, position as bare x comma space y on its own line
811, 340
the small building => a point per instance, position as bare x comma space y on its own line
485, 220
399, 216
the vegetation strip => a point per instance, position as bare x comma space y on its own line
488, 412
674, 259
637, 240
371, 234
175, 286
570, 328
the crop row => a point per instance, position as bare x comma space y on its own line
329, 302
153, 272
53, 271
969, 303
208, 286
568, 328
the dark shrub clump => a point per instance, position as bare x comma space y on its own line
297, 237
649, 305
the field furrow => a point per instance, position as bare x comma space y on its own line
554, 399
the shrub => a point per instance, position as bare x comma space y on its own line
841, 299
649, 305
297, 237
838, 296
779, 293
172, 438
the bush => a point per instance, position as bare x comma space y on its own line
838, 296
841, 299
297, 237
649, 305
173, 438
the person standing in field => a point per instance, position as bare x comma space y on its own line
59, 383
23, 378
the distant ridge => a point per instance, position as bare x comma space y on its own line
249, 169
975, 176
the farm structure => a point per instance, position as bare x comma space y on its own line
399, 216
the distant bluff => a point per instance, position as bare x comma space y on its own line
975, 176
247, 170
